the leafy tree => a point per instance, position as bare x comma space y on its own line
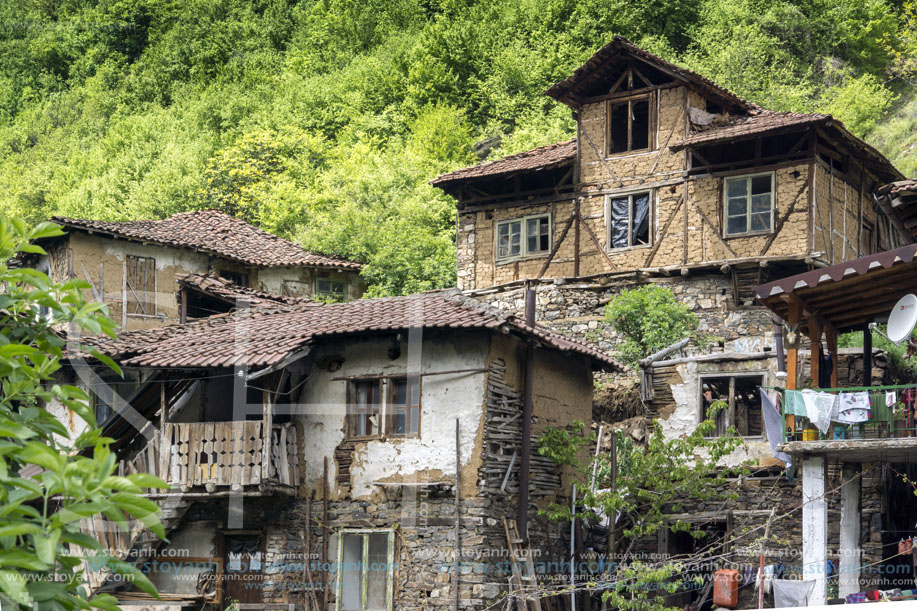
651, 482
40, 521
649, 318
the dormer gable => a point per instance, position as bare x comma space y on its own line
622, 68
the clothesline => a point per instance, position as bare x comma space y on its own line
849, 388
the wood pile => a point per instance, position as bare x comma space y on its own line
503, 442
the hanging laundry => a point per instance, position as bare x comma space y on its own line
794, 405
853, 408
792, 592
891, 397
819, 406
773, 426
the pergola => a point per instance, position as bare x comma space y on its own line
826, 302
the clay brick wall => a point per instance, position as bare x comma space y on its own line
686, 216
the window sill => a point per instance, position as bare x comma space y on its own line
630, 153
364, 438
508, 260
614, 251
750, 234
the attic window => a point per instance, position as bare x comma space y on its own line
629, 125
331, 289
239, 278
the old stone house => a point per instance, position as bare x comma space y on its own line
134, 267
379, 440
674, 180
669, 173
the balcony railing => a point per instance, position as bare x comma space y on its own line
229, 455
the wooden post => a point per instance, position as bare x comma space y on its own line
867, 356
831, 338
767, 534
576, 236
792, 355
267, 422
325, 534
183, 317
165, 451
458, 520
814, 347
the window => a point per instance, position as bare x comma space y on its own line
749, 203
364, 408
628, 220
741, 395
530, 235
365, 567
140, 285
403, 409
400, 410
629, 125
239, 278
331, 289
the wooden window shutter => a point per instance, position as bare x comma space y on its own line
141, 285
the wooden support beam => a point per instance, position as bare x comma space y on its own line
599, 246
815, 332
782, 220
662, 234
560, 240
716, 232
831, 338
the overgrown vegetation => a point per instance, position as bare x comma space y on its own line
50, 481
652, 482
649, 318
324, 120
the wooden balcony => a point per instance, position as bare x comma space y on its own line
230, 456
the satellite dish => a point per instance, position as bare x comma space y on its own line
902, 319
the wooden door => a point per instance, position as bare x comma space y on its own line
243, 568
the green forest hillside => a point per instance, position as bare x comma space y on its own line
323, 120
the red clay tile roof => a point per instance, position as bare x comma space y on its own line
762, 122
215, 233
563, 90
268, 336
896, 188
229, 291
541, 158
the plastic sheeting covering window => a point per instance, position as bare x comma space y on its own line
620, 207
641, 215
629, 220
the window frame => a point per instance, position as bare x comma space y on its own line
730, 411
131, 294
386, 392
630, 99
240, 278
748, 214
523, 237
390, 404
349, 429
651, 219
390, 559
319, 294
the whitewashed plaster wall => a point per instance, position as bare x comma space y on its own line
444, 398
686, 415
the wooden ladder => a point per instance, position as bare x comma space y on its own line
524, 578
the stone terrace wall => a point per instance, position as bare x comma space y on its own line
577, 309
